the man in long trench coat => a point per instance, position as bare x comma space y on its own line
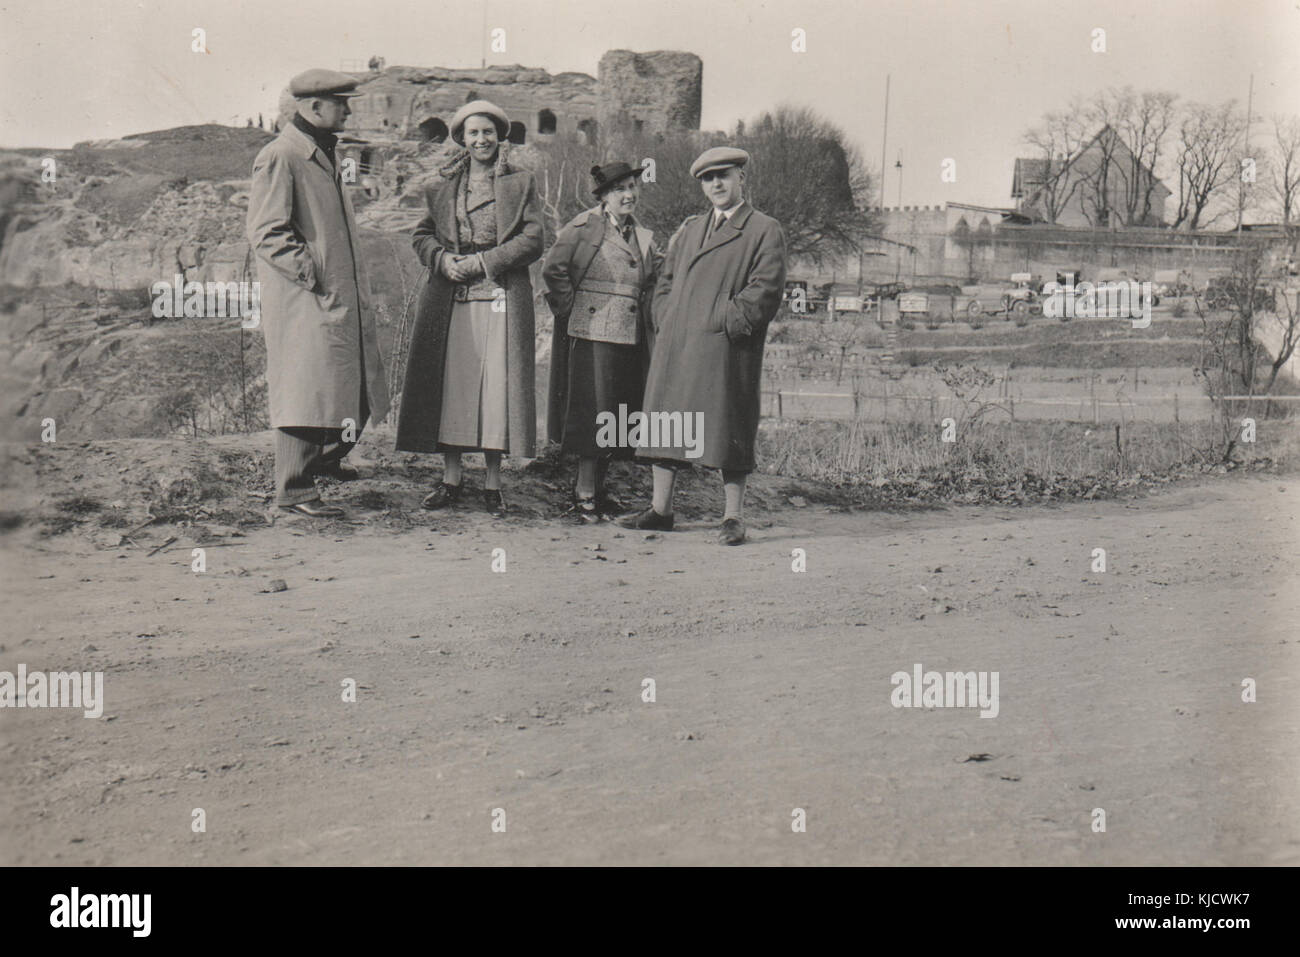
323, 369
719, 287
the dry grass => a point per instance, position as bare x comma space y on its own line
1060, 460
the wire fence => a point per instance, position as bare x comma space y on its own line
880, 404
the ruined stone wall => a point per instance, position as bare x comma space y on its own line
418, 103
650, 92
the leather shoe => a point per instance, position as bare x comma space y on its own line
609, 508
340, 472
583, 511
442, 496
494, 502
732, 532
649, 520
315, 508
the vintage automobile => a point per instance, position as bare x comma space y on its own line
1020, 301
1226, 292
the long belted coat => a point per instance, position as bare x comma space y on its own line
315, 298
519, 243
565, 267
711, 309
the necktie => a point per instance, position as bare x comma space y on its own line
628, 232
715, 221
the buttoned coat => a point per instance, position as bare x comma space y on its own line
315, 298
710, 311
519, 243
564, 269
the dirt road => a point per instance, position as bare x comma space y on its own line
523, 690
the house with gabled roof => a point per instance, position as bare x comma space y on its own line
1104, 184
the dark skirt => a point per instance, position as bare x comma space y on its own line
602, 376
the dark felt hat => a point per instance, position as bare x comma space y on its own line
606, 177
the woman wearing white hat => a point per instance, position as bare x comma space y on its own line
469, 371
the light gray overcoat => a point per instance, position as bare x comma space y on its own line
315, 299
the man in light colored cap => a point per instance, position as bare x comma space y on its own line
324, 374
720, 285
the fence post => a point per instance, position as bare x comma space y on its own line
779, 412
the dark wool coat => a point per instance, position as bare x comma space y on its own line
316, 310
710, 312
519, 243
566, 265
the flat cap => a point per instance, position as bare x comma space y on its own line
323, 83
719, 157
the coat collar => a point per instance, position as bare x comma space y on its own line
729, 230
593, 222
306, 147
511, 190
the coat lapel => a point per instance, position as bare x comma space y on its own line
307, 147
510, 203
442, 203
724, 234
593, 231
644, 241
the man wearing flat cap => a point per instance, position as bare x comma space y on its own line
720, 285
324, 374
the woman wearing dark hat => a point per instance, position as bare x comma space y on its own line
598, 278
469, 370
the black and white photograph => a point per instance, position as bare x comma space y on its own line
685, 433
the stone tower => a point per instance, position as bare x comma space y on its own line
649, 92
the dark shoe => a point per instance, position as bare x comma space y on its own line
494, 503
732, 532
339, 472
609, 508
649, 521
583, 511
315, 508
442, 496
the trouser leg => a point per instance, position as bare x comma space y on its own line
333, 448
297, 457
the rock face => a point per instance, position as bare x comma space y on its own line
195, 230
650, 92
416, 103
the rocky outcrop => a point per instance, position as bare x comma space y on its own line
196, 231
650, 92
417, 103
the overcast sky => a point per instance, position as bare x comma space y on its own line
968, 77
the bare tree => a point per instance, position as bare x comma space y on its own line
1286, 174
1057, 139
1208, 139
813, 180
1144, 120
1245, 347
